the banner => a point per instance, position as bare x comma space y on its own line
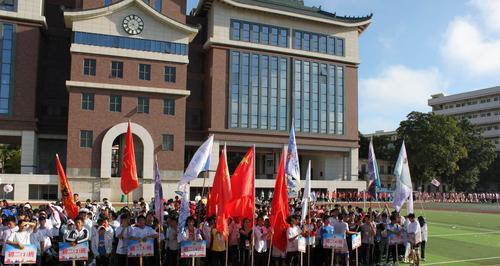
138, 248
356, 240
69, 253
395, 239
190, 249
335, 241
14, 255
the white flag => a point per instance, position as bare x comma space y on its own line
292, 169
307, 197
404, 187
199, 162
184, 213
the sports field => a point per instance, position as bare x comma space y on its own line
461, 237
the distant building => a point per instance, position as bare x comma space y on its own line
480, 107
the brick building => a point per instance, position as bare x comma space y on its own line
243, 70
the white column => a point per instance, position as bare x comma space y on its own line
28, 152
353, 170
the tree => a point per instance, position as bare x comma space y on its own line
10, 159
434, 145
384, 147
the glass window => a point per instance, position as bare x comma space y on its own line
340, 100
235, 88
144, 72
170, 74
107, 2
307, 42
331, 107
89, 67
274, 93
322, 44
323, 97
340, 47
245, 33
86, 138
6, 36
298, 94
116, 69
158, 5
169, 106
8, 196
331, 45
42, 192
245, 82
87, 101
115, 103
274, 36
307, 94
283, 101
143, 105
283, 37
235, 26
314, 46
255, 33
255, 91
7, 5
167, 143
265, 35
314, 98
264, 91
297, 41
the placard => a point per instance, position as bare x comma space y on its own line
138, 248
311, 240
356, 240
335, 241
193, 249
395, 239
77, 252
14, 255
302, 244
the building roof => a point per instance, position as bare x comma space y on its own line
75, 15
441, 98
295, 8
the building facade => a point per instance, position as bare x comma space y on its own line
480, 107
100, 63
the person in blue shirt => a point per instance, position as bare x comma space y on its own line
326, 232
393, 229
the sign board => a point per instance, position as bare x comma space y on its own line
356, 240
334, 241
77, 252
193, 249
14, 255
395, 239
138, 248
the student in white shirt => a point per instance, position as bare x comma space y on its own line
260, 238
423, 230
79, 235
7, 232
142, 233
123, 233
23, 235
171, 243
102, 244
292, 248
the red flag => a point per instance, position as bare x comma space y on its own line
211, 206
129, 180
67, 196
243, 186
279, 207
221, 194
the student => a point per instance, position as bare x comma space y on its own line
101, 246
292, 249
368, 231
143, 233
342, 228
190, 233
261, 237
393, 228
42, 240
234, 235
423, 230
414, 233
218, 249
172, 245
7, 232
326, 229
245, 238
23, 235
79, 235
123, 233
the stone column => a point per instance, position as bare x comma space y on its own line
353, 170
28, 152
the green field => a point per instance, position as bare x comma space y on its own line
462, 238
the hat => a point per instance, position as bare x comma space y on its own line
85, 210
70, 222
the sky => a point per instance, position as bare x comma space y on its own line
414, 49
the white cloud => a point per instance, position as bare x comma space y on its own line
472, 43
388, 97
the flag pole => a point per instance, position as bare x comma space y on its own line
254, 209
227, 247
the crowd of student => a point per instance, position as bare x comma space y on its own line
459, 197
107, 232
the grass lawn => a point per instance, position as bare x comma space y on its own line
462, 238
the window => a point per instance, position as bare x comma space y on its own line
315, 43
7, 5
274, 36
320, 43
86, 138
265, 35
340, 47
306, 42
143, 105
116, 69
255, 33
283, 38
6, 40
158, 5
167, 143
258, 91
258, 33
89, 66
103, 40
115, 103
245, 34
107, 2
42, 192
235, 29
144, 72
170, 74
87, 101
297, 41
169, 106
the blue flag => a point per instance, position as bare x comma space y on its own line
292, 169
158, 194
373, 176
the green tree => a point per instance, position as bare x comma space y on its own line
10, 159
384, 147
434, 144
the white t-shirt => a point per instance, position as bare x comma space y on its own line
260, 241
423, 229
142, 232
414, 229
293, 245
6, 235
122, 247
23, 237
340, 228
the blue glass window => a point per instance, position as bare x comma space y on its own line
283, 38
235, 88
6, 55
297, 90
170, 74
158, 5
340, 47
255, 33
8, 5
265, 35
318, 43
264, 92
245, 34
235, 29
107, 2
297, 42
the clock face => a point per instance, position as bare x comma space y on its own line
133, 24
